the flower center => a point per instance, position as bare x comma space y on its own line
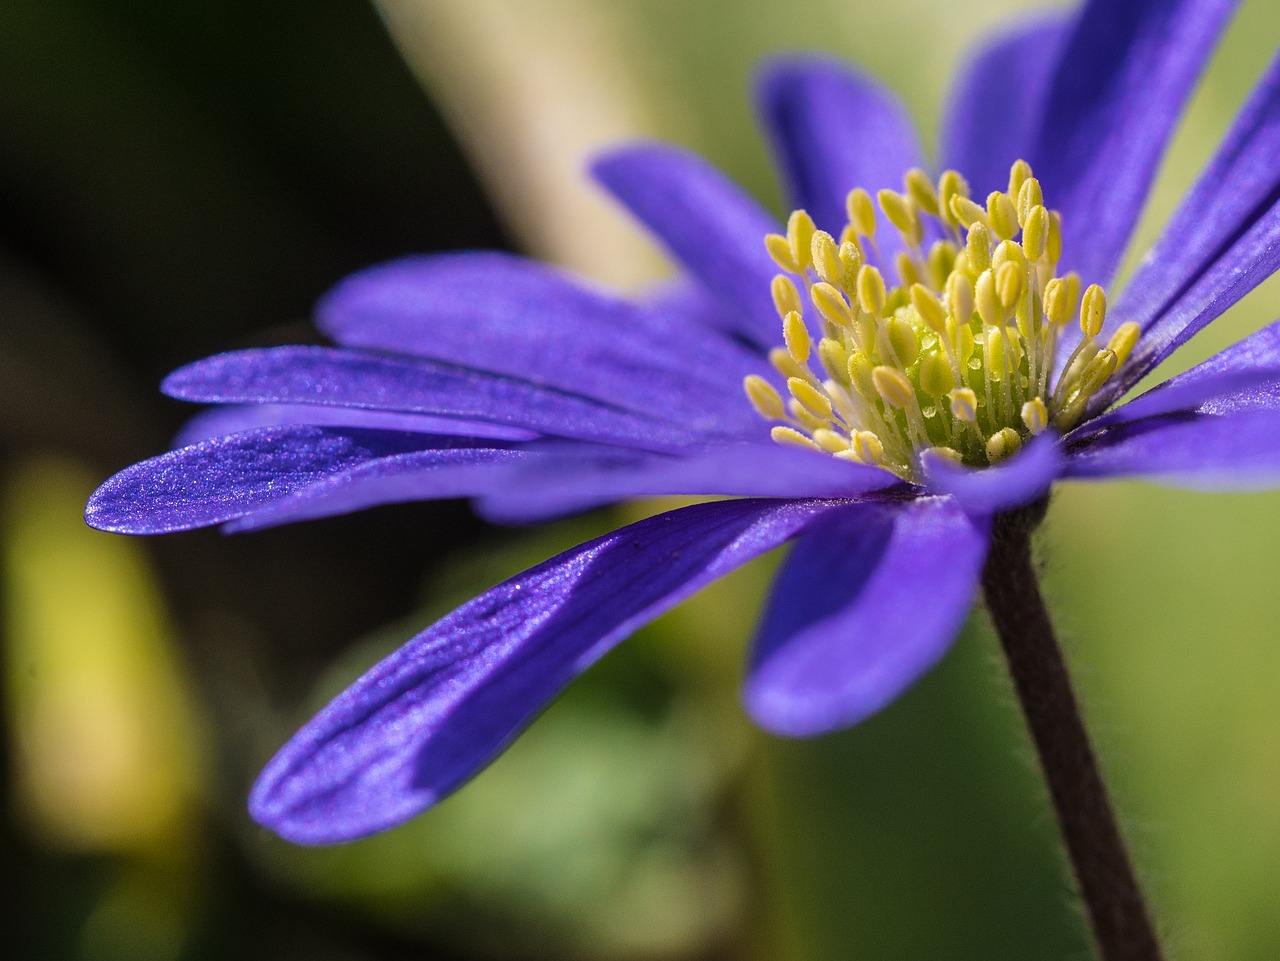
958, 356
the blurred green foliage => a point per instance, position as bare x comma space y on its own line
180, 178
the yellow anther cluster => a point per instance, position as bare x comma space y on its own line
955, 352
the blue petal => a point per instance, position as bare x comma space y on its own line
508, 315
832, 130
1226, 377
1124, 76
989, 121
588, 477
428, 717
218, 421
229, 477
715, 230
1234, 451
869, 600
350, 378
1229, 217
1023, 478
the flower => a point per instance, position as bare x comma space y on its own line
492, 377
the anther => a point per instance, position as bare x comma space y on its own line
789, 435
1001, 445
764, 398
936, 376
900, 341
960, 297
964, 404
1093, 311
830, 441
1008, 283
814, 400
901, 212
1035, 231
1018, 175
825, 257
1029, 196
1123, 340
987, 300
978, 247
920, 189
1035, 415
967, 212
779, 249
786, 298
834, 359
1057, 306
908, 272
928, 307
862, 213
800, 228
871, 290
1053, 246
867, 447
892, 386
831, 304
851, 260
796, 336
950, 186
1002, 215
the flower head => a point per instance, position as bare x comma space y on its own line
934, 338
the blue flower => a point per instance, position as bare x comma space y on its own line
491, 377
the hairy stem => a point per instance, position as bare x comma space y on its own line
1118, 915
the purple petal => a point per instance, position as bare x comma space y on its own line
1233, 373
217, 421
428, 717
1236, 187
508, 315
869, 600
1125, 74
1023, 478
584, 478
1251, 260
228, 477
1236, 451
349, 378
1230, 215
833, 129
989, 121
715, 230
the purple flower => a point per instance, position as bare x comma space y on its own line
495, 378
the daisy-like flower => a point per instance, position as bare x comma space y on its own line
922, 356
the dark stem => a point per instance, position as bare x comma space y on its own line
1118, 913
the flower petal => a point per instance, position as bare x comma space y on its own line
1230, 215
1250, 363
868, 601
1235, 188
584, 477
989, 121
428, 717
1023, 478
714, 229
1125, 74
833, 129
218, 421
1234, 451
228, 477
1252, 258
509, 315
349, 378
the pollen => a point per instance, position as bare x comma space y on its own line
949, 346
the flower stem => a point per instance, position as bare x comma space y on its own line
1118, 916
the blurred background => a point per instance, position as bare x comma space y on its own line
182, 178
